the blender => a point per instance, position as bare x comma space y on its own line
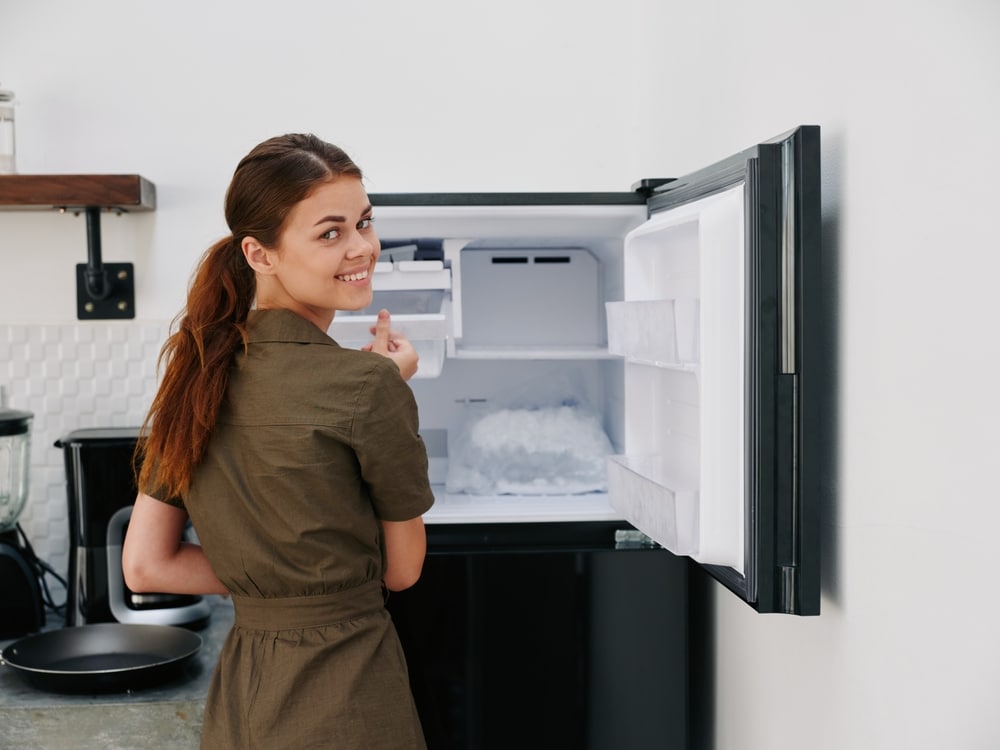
21, 604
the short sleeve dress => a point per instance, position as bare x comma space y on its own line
315, 445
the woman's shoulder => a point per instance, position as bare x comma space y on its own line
280, 326
288, 350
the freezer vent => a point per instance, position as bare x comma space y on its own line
523, 260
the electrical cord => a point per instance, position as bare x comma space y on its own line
42, 569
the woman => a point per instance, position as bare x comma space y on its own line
297, 461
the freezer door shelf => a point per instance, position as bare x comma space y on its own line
662, 333
650, 500
673, 512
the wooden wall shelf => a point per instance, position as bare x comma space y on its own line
117, 192
103, 290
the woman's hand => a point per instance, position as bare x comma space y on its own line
394, 345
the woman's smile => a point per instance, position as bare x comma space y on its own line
354, 276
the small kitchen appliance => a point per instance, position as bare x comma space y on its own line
101, 489
21, 609
7, 163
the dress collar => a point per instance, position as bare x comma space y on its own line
283, 325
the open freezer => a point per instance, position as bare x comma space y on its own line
663, 334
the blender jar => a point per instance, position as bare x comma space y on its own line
15, 440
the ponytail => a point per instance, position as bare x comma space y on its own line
196, 359
275, 176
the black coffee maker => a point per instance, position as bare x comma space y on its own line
100, 483
21, 608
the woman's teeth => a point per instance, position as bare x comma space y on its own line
354, 276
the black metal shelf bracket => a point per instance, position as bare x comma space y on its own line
104, 291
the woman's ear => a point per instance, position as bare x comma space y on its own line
258, 257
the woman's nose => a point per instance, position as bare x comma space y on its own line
362, 244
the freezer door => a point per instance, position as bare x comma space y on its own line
720, 371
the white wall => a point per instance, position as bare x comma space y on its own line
563, 94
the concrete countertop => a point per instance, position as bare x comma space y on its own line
166, 716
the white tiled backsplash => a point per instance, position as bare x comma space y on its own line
71, 377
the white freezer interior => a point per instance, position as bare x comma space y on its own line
520, 319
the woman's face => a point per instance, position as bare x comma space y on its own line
325, 256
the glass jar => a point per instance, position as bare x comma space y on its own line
7, 132
15, 442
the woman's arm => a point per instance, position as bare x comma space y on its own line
405, 541
154, 558
405, 548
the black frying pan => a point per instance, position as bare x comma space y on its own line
108, 657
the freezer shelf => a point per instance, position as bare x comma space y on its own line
427, 332
462, 508
538, 353
649, 499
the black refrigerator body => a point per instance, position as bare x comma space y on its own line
680, 318
563, 644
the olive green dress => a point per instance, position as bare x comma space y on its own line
315, 444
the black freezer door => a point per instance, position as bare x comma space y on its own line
718, 333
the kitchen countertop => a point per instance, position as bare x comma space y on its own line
166, 716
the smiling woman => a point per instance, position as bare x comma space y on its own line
325, 257
298, 461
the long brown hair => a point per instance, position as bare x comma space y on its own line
196, 357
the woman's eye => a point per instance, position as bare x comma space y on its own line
366, 223
330, 234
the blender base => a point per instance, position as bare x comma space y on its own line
21, 608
